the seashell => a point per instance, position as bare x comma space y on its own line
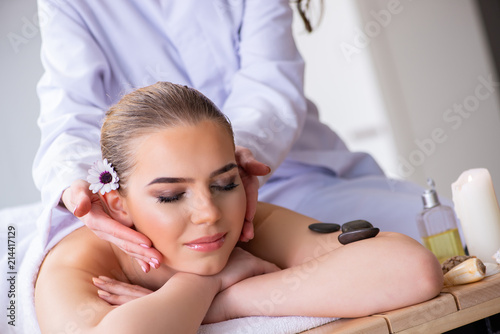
453, 261
471, 270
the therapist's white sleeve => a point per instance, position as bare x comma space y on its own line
266, 105
72, 101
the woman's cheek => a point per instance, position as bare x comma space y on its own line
157, 222
240, 205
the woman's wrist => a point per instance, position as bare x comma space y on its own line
210, 283
222, 308
230, 300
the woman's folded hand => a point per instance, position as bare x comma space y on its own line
241, 265
117, 292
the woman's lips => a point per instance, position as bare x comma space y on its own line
207, 244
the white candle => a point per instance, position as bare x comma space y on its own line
477, 209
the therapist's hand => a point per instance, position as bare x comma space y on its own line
249, 169
89, 208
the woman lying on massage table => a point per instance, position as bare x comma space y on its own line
179, 184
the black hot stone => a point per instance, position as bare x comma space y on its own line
356, 225
324, 227
360, 234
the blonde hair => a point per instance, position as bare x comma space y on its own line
149, 109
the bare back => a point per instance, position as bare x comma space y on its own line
64, 292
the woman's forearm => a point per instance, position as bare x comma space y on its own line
362, 278
179, 306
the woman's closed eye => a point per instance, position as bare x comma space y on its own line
226, 187
170, 199
214, 188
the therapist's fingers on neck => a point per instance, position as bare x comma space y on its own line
258, 168
247, 232
133, 243
247, 161
243, 155
77, 198
146, 258
83, 205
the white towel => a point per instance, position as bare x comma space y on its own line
18, 226
265, 325
33, 238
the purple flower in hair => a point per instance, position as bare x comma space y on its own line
102, 177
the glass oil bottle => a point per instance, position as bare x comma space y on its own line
438, 226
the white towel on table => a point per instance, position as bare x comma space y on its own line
33, 238
18, 225
31, 225
265, 325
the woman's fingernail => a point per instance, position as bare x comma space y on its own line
144, 245
98, 281
74, 211
105, 278
155, 260
154, 265
144, 269
103, 293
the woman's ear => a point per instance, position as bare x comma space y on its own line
117, 208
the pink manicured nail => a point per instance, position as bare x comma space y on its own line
144, 269
98, 281
106, 279
76, 207
144, 245
155, 260
103, 293
154, 265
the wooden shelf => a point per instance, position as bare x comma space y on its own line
372, 325
454, 307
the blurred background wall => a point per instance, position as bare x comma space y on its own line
396, 78
412, 82
20, 70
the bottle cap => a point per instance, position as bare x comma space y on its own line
429, 197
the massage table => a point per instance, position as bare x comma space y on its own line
454, 307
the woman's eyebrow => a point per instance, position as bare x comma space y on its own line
224, 169
170, 180
219, 171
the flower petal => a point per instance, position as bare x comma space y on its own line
95, 177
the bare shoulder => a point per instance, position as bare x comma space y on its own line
267, 212
65, 297
80, 244
282, 236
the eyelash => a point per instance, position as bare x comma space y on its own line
177, 197
163, 199
227, 187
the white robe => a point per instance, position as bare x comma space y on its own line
239, 53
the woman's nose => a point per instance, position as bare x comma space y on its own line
205, 210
